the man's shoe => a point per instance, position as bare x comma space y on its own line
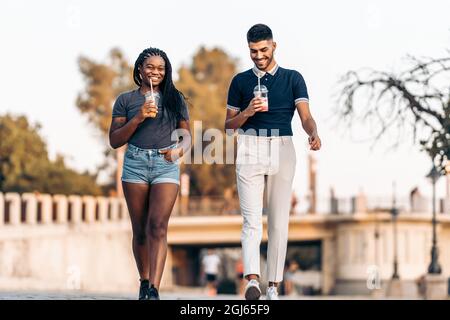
144, 290
272, 293
252, 290
153, 293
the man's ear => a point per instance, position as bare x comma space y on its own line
274, 44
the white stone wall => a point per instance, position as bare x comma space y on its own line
44, 247
70, 242
358, 249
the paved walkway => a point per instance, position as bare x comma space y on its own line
164, 296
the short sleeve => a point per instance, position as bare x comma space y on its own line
119, 108
234, 101
299, 88
184, 115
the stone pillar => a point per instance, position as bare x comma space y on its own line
329, 265
446, 204
312, 195
46, 208
120, 157
77, 207
419, 203
62, 208
436, 287
31, 208
102, 209
123, 209
14, 207
447, 175
89, 205
176, 206
167, 278
359, 203
395, 288
115, 207
184, 193
205, 206
334, 208
2, 209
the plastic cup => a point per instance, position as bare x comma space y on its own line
150, 97
261, 92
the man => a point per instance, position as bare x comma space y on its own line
210, 265
266, 152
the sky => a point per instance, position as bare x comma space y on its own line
42, 40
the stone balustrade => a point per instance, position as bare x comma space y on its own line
45, 209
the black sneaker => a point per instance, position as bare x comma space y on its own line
153, 293
144, 290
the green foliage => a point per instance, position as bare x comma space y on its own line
205, 82
104, 82
25, 166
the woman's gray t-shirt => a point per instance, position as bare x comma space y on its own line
152, 133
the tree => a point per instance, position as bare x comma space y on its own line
205, 82
104, 82
25, 166
417, 98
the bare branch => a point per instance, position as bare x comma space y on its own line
391, 98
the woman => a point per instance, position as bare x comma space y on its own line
147, 119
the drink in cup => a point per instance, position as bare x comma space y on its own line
150, 97
260, 91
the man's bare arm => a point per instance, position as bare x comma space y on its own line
309, 125
235, 119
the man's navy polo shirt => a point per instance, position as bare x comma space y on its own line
286, 88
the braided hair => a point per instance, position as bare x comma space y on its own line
172, 99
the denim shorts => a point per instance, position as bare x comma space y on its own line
149, 166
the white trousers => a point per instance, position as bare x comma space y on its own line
275, 158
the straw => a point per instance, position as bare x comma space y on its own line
259, 83
151, 89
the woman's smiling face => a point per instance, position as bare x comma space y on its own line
153, 69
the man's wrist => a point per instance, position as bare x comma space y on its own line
245, 114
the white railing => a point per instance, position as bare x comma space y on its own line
35, 208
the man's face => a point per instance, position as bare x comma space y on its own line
262, 53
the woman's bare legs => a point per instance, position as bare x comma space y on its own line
161, 201
136, 195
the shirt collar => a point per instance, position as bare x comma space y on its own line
260, 73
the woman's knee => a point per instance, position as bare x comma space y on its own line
140, 238
157, 229
139, 234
